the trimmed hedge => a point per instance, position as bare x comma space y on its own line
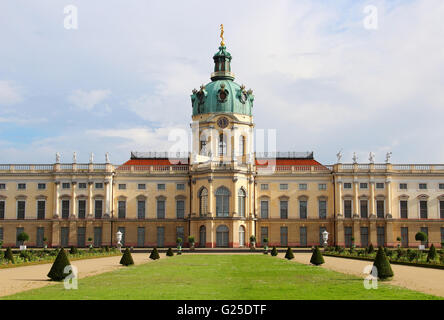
274, 251
383, 265
289, 254
432, 254
170, 252
8, 255
316, 257
57, 270
154, 254
127, 258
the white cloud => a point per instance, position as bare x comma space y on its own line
87, 100
9, 93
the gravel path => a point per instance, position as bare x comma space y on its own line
13, 280
425, 280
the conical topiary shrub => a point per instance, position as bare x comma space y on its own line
432, 253
289, 254
370, 249
8, 255
57, 270
154, 254
127, 258
170, 252
383, 265
317, 258
73, 250
274, 251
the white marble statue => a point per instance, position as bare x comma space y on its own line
371, 157
91, 158
74, 157
107, 157
355, 158
339, 156
57, 157
387, 157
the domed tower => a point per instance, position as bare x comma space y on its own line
222, 159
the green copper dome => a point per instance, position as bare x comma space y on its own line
222, 94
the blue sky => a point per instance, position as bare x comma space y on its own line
122, 81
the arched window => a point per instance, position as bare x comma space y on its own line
241, 201
241, 236
203, 145
202, 236
222, 202
222, 145
203, 201
242, 145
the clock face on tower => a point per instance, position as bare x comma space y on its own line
222, 122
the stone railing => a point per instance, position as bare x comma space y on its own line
58, 167
153, 169
286, 169
388, 167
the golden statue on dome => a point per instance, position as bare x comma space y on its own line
222, 43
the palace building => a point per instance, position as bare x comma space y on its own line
222, 192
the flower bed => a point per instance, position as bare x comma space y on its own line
32, 257
409, 257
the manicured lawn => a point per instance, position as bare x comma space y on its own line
208, 277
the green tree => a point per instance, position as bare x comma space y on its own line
274, 251
127, 258
154, 254
22, 237
289, 254
317, 258
432, 254
73, 250
383, 265
57, 270
8, 255
421, 236
170, 252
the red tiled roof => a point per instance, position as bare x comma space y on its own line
153, 162
289, 162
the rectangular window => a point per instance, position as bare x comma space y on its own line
161, 186
141, 209
363, 185
364, 208
348, 233
347, 185
302, 186
2, 186
180, 186
82, 209
2, 209
98, 237
21, 210
98, 209
403, 186
98, 185
264, 186
21, 186
322, 186
283, 186
284, 209
380, 208
322, 209
122, 186
81, 237
121, 209
426, 231
17, 232
65, 209
404, 209
347, 208
160, 237
264, 234
423, 186
380, 185
423, 209
302, 209
41, 209
82, 185
41, 186
160, 209
180, 232
405, 237
364, 237
441, 186
66, 185
380, 236
284, 236
264, 209
64, 237
180, 209
303, 236
441, 209
141, 186
140, 236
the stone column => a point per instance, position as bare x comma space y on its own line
235, 198
340, 211
107, 200
372, 233
73, 200
389, 199
372, 199
355, 197
211, 211
90, 200
56, 199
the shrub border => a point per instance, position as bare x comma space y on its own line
411, 264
